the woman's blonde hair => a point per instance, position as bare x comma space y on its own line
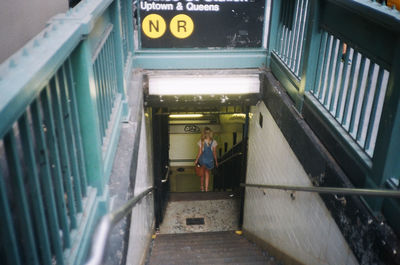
207, 132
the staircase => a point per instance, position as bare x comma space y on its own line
206, 248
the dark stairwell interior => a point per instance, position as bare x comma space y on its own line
355, 226
198, 227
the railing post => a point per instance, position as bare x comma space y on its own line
386, 159
88, 116
312, 47
119, 57
130, 25
273, 28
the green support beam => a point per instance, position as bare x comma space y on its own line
199, 59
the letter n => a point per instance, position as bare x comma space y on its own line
156, 27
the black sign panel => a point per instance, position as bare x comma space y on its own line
201, 23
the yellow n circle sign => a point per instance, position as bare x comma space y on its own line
181, 26
154, 26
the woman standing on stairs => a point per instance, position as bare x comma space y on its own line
207, 156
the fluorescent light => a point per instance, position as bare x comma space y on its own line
238, 115
204, 84
177, 116
190, 122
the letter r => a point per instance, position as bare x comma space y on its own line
181, 24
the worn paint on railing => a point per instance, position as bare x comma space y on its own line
291, 33
41, 152
351, 87
45, 161
104, 69
348, 80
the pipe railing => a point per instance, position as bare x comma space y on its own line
105, 226
166, 175
329, 190
229, 158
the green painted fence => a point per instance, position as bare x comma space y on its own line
341, 60
63, 98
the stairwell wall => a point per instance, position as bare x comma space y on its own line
299, 226
142, 218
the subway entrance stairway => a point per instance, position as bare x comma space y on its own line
306, 103
202, 228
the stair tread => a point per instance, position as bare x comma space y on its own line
239, 260
206, 248
197, 249
207, 255
200, 244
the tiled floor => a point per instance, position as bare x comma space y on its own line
201, 196
218, 214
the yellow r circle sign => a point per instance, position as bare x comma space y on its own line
154, 26
181, 26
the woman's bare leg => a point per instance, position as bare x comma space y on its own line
207, 178
202, 178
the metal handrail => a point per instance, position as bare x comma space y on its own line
166, 175
329, 190
229, 158
106, 224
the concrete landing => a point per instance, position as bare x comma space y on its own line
220, 214
200, 196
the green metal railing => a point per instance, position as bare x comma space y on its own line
351, 87
105, 79
291, 30
44, 167
347, 75
62, 95
344, 75
127, 28
40, 150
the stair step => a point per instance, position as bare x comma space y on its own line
200, 241
213, 262
173, 244
217, 237
207, 254
201, 250
236, 260
206, 248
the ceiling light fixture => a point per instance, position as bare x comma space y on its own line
190, 122
239, 115
204, 85
183, 116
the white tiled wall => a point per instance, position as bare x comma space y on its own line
143, 213
183, 147
302, 228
